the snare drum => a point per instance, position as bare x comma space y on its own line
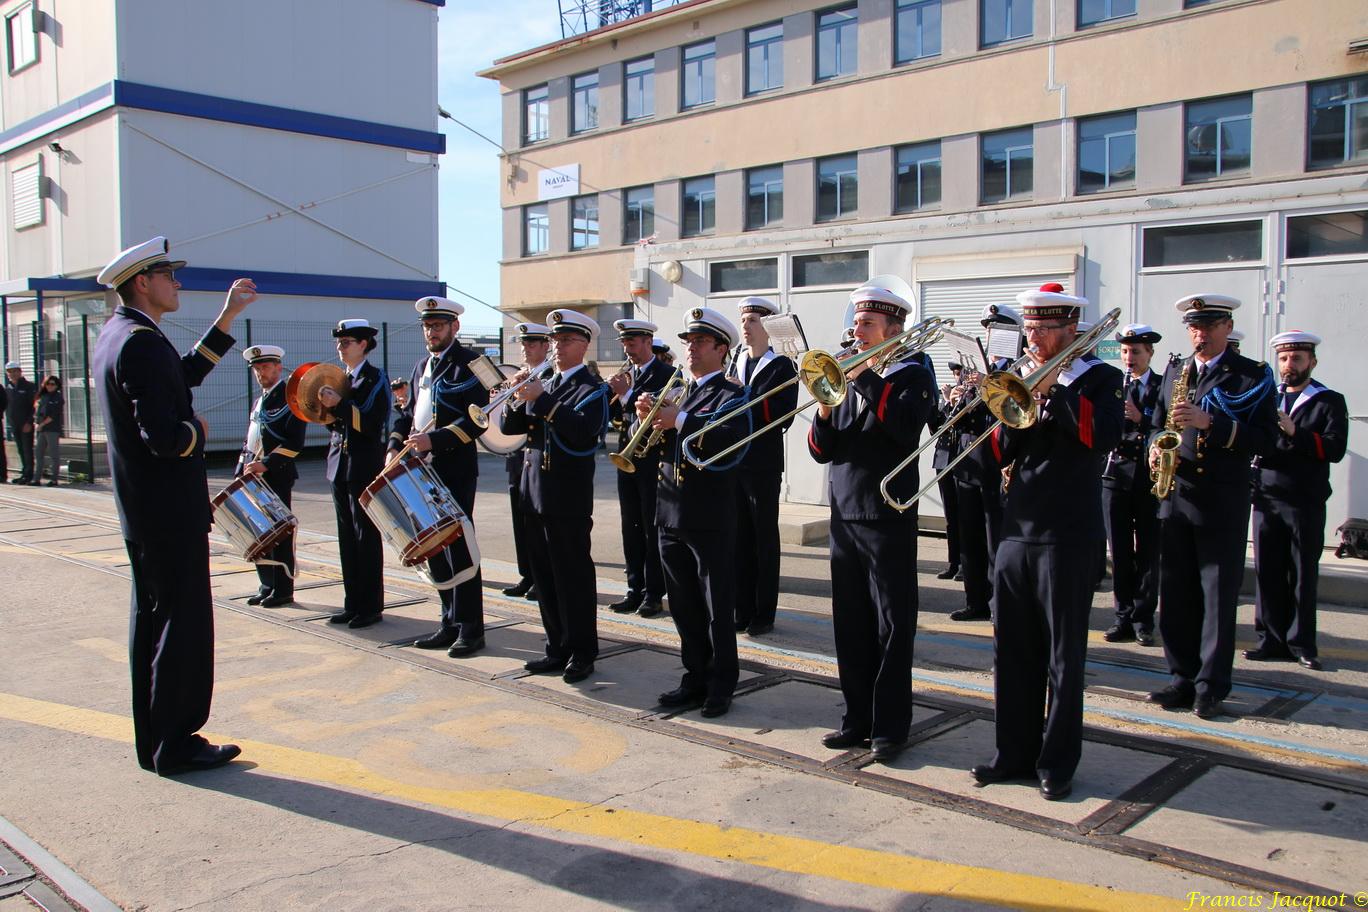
413, 510
253, 517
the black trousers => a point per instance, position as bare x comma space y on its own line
363, 555
519, 522
567, 586
757, 545
874, 617
463, 605
23, 441
640, 546
1288, 541
1133, 531
275, 580
1041, 598
170, 648
1198, 591
4, 452
949, 492
700, 576
980, 527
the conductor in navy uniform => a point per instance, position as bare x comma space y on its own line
562, 419
873, 546
356, 455
437, 421
1228, 418
535, 341
156, 459
1291, 486
1047, 562
637, 490
759, 370
696, 514
275, 435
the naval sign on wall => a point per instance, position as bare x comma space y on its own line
557, 183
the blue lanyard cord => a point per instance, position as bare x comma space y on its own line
1243, 404
552, 437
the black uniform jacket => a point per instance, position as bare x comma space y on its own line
282, 437
983, 466
1055, 494
1297, 469
766, 452
358, 427
1215, 477
156, 448
649, 380
1128, 465
947, 444
562, 427
869, 433
513, 462
453, 433
20, 406
703, 499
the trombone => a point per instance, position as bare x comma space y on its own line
825, 378
1011, 400
645, 437
480, 414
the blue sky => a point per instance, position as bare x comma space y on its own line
471, 34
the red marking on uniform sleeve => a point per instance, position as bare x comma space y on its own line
997, 448
1320, 446
1085, 421
883, 401
812, 440
764, 409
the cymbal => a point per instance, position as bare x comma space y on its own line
301, 390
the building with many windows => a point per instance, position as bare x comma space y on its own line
1133, 150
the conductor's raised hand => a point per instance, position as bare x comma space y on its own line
240, 294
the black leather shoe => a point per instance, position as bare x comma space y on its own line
885, 750
277, 601
365, 620
1310, 662
207, 757
256, 599
680, 696
1264, 654
577, 671
948, 573
971, 614
519, 590
438, 639
631, 603
1206, 708
650, 609
959, 576
987, 774
756, 630
342, 617
714, 708
545, 665
1144, 637
1173, 697
843, 738
531, 594
1120, 633
465, 646
741, 626
1055, 789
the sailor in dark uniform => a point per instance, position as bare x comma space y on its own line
562, 419
356, 454
759, 369
1046, 564
637, 489
275, 435
873, 546
1228, 417
437, 421
696, 514
156, 460
1130, 508
947, 448
535, 341
1291, 486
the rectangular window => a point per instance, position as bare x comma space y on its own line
1004, 20
536, 114
700, 197
26, 195
1328, 234
744, 275
846, 268
837, 43
1192, 3
584, 102
697, 74
639, 214
638, 88
536, 230
1106, 153
1337, 128
764, 197
1219, 133
838, 187
765, 58
1091, 12
584, 222
20, 37
1220, 242
917, 177
1008, 165
918, 30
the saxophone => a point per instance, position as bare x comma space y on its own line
1169, 440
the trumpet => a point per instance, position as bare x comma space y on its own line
480, 414
1011, 400
645, 437
825, 377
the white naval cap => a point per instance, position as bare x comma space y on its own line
757, 305
707, 320
658, 345
1049, 302
999, 313
1196, 308
438, 307
354, 328
151, 254
1135, 332
531, 332
1294, 340
627, 328
12, 366
1236, 336
879, 298
259, 354
565, 321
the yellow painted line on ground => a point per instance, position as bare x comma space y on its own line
886, 870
